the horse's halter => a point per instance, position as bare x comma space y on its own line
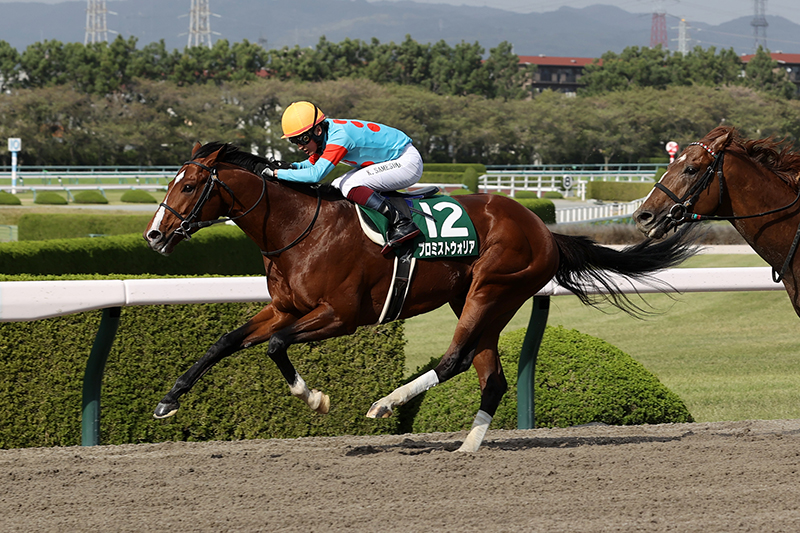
188, 223
678, 213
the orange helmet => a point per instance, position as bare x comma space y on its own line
300, 117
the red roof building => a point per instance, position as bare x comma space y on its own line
791, 62
561, 74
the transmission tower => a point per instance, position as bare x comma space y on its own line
96, 29
683, 37
759, 23
658, 31
200, 24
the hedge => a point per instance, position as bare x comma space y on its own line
455, 168
243, 397
218, 250
39, 227
617, 191
579, 379
544, 208
90, 197
50, 198
9, 199
138, 196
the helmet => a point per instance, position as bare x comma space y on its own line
300, 117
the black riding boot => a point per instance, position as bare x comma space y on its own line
401, 228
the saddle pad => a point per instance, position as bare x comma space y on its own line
447, 230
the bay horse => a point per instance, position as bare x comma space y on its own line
326, 278
753, 184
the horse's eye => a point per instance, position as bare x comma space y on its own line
690, 170
188, 187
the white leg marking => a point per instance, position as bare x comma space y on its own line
383, 407
315, 399
476, 434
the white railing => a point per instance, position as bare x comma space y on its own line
544, 181
34, 300
589, 213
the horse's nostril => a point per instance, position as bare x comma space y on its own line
644, 217
153, 235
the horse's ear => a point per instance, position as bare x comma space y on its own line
196, 147
219, 154
721, 142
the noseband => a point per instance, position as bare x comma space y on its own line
679, 213
189, 224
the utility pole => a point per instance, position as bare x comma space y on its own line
759, 24
96, 29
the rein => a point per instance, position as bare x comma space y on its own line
679, 213
189, 226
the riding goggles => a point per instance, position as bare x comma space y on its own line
301, 140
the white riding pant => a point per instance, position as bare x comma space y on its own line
392, 175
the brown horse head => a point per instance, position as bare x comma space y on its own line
690, 185
191, 198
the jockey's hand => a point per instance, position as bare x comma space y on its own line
268, 173
275, 164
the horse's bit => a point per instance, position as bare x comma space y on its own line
679, 213
189, 225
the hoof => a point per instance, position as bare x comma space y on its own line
379, 411
166, 409
324, 400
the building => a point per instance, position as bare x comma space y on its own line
791, 62
560, 74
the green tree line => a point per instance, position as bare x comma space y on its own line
156, 123
100, 68
658, 68
114, 104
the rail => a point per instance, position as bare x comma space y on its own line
550, 181
597, 212
34, 300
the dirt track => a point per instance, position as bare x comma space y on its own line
727, 476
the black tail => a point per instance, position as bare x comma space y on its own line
586, 266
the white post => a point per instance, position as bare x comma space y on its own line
13, 172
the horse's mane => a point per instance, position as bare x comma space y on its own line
776, 155
253, 163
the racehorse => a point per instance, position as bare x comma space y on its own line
326, 278
751, 183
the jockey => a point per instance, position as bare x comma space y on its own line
383, 157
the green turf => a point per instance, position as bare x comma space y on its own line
730, 356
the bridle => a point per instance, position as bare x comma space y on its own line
679, 213
189, 224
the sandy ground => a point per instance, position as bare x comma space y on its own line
724, 476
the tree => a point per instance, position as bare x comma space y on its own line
763, 73
507, 79
9, 63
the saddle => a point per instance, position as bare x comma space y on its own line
446, 229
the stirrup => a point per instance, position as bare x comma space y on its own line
390, 245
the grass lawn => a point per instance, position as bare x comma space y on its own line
730, 356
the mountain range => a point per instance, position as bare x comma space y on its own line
586, 32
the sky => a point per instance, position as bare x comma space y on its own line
709, 11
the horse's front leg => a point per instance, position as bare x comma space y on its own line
321, 323
262, 325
